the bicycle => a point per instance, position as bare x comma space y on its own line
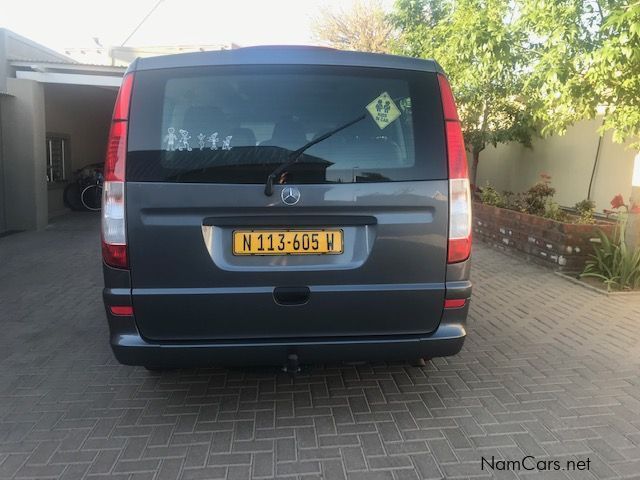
85, 192
91, 196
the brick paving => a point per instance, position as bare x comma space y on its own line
549, 370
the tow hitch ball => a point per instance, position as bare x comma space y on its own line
292, 366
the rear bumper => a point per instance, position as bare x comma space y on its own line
130, 348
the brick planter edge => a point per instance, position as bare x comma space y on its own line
557, 245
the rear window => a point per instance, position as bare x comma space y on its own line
237, 124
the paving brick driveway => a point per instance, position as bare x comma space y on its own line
548, 370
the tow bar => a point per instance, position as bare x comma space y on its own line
292, 366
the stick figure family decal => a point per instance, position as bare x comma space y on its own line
382, 109
182, 142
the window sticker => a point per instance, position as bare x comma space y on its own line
184, 141
171, 138
383, 110
201, 139
213, 140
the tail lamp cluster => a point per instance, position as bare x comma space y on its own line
459, 247
114, 232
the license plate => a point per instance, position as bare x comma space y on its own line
287, 242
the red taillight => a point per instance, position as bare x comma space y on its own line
454, 302
114, 233
114, 255
123, 101
456, 153
459, 247
114, 165
448, 103
121, 310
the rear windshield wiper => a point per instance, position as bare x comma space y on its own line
296, 154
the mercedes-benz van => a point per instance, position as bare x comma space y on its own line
285, 203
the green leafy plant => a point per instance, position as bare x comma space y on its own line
535, 200
490, 196
613, 73
538, 200
554, 212
585, 209
477, 43
523, 67
510, 200
613, 261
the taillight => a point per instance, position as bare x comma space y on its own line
459, 247
114, 231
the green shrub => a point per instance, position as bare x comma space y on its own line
585, 209
490, 196
554, 212
537, 200
613, 262
534, 201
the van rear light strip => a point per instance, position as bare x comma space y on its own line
459, 244
114, 230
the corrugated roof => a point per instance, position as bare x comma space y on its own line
17, 46
70, 67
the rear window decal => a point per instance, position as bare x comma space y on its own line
213, 140
383, 110
184, 141
171, 138
201, 139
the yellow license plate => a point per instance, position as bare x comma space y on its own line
287, 242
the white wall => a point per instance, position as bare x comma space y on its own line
569, 160
23, 155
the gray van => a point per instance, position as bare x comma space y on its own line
285, 204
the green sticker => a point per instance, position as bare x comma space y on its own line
383, 110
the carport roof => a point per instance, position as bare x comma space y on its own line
68, 73
26, 59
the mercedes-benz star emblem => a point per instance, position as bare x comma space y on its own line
290, 195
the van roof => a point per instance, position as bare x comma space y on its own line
285, 55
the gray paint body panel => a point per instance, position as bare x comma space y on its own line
188, 286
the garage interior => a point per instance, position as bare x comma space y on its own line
77, 119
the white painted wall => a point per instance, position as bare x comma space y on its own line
569, 160
23, 156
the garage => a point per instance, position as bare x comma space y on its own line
54, 120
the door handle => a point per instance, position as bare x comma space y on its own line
289, 296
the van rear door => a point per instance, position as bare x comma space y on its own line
353, 239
